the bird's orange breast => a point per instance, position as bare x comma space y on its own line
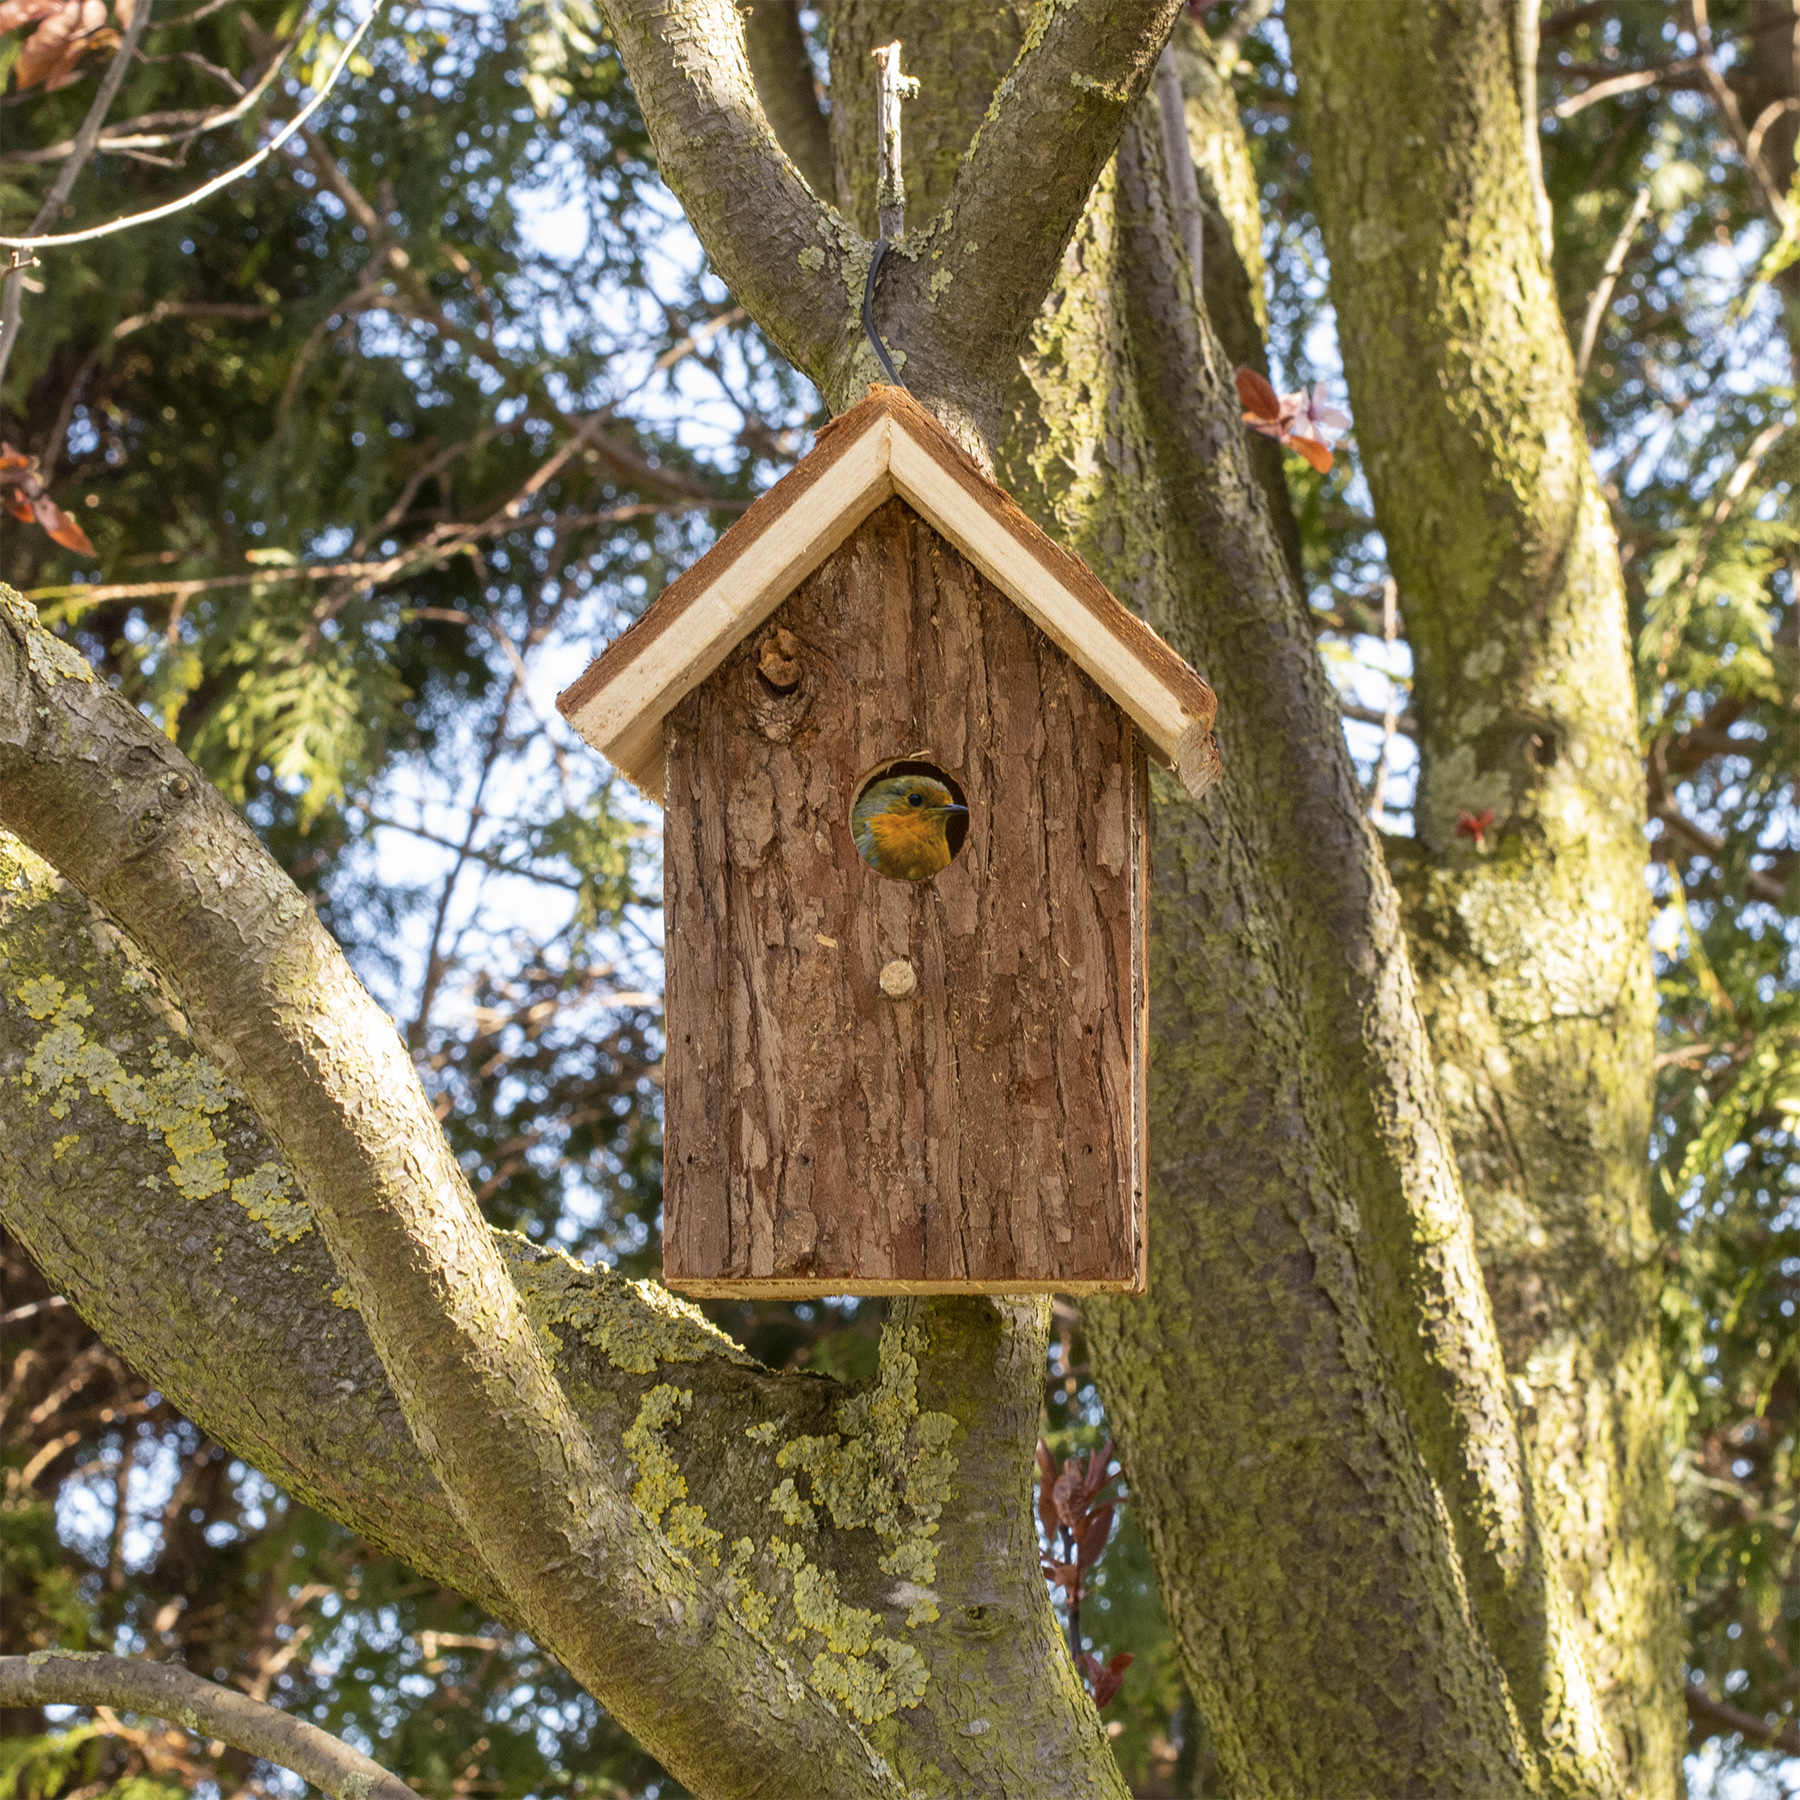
909, 845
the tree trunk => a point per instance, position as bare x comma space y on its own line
1530, 943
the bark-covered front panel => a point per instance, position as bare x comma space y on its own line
984, 1131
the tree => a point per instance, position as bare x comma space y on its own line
1393, 1408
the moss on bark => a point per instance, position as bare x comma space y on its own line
1530, 948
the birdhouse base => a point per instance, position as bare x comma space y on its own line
782, 1288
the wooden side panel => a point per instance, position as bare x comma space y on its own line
985, 1133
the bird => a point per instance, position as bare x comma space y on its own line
901, 824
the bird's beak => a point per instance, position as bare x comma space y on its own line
961, 812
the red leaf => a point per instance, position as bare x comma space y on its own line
62, 529
1474, 825
1097, 1476
71, 537
1106, 1681
52, 54
20, 507
1091, 1539
1259, 398
1315, 453
1046, 1500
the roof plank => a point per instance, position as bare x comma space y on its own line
886, 444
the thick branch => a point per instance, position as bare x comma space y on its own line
91, 784
786, 255
962, 307
168, 1691
959, 305
1532, 964
789, 91
1714, 1717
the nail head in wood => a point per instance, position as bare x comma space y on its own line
899, 979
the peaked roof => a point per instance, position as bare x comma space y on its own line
887, 444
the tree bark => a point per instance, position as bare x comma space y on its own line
1312, 1261
165, 1691
1531, 947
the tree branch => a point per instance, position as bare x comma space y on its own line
959, 298
786, 255
150, 215
12, 306
1609, 275
962, 305
789, 90
168, 1691
1714, 1716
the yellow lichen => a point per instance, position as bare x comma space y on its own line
635, 1325
870, 1693
177, 1101
41, 995
661, 1487
793, 1510
848, 1630
268, 1197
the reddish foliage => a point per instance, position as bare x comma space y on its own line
1104, 1677
67, 30
1298, 420
1474, 825
25, 499
1076, 1523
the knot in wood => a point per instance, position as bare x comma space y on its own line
899, 979
779, 660
779, 697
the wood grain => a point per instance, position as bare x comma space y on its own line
985, 1133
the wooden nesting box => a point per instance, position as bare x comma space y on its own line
876, 1085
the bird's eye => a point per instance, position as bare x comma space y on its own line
915, 799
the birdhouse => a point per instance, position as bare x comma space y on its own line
900, 740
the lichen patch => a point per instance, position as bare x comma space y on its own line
635, 1325
177, 1101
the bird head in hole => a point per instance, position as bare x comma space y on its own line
901, 825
